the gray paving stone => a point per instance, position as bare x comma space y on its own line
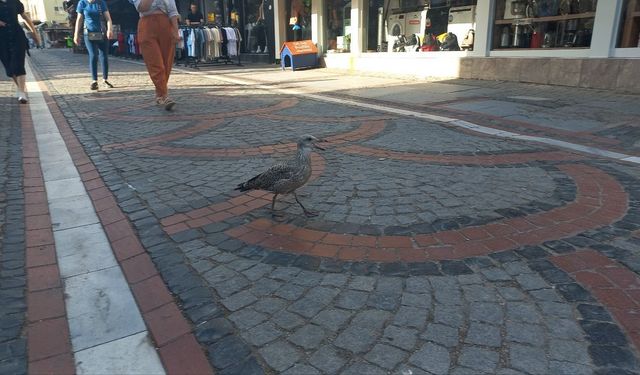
531, 282
569, 351
417, 285
314, 301
525, 333
328, 360
332, 319
561, 310
432, 358
389, 285
516, 268
528, 359
287, 320
386, 356
219, 274
448, 296
334, 279
564, 368
480, 293
483, 334
405, 369
363, 368
270, 305
382, 301
469, 279
307, 278
284, 273
564, 329
242, 264
486, 312
261, 334
239, 300
258, 271
373, 319
546, 295
416, 300
412, 317
523, 312
247, 318
404, 338
356, 339
308, 337
441, 334
511, 294
450, 315
280, 355
479, 359
495, 274
265, 287
231, 286
301, 370
290, 292
362, 283
352, 300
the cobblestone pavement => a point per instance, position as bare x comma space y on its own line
436, 251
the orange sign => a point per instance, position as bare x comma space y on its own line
301, 47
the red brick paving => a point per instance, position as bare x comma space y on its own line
138, 269
615, 286
600, 201
48, 342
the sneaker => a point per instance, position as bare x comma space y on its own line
107, 84
22, 97
166, 103
94, 85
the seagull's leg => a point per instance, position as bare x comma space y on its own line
306, 212
273, 204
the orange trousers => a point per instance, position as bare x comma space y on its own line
158, 45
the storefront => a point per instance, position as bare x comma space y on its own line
587, 43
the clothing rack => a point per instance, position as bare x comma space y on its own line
208, 45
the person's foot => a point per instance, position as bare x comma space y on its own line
107, 84
165, 102
22, 97
94, 85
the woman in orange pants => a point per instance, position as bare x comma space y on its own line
158, 34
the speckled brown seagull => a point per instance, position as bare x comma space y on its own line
287, 176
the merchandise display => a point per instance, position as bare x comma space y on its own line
544, 23
629, 34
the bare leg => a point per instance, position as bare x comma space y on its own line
21, 82
306, 212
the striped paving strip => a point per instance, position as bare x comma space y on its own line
108, 334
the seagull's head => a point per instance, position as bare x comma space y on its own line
309, 141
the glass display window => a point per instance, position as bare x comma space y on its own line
298, 20
543, 24
629, 31
338, 27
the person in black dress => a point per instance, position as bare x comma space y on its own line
14, 43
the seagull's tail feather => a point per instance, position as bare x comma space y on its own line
249, 185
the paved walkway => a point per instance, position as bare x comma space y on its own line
465, 227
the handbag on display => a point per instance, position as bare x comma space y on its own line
293, 21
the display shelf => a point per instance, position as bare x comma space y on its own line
566, 17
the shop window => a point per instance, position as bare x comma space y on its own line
420, 25
338, 27
544, 23
255, 30
299, 20
629, 36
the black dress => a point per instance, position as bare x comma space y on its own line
13, 42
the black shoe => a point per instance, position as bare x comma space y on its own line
94, 85
107, 84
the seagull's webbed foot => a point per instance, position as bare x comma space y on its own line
310, 213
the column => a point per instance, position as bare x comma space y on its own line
280, 24
485, 11
318, 24
358, 9
604, 28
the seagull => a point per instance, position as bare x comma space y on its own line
287, 176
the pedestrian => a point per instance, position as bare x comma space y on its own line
14, 44
90, 17
195, 17
158, 34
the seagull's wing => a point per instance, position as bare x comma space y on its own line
269, 178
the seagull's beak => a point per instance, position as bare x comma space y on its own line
315, 145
